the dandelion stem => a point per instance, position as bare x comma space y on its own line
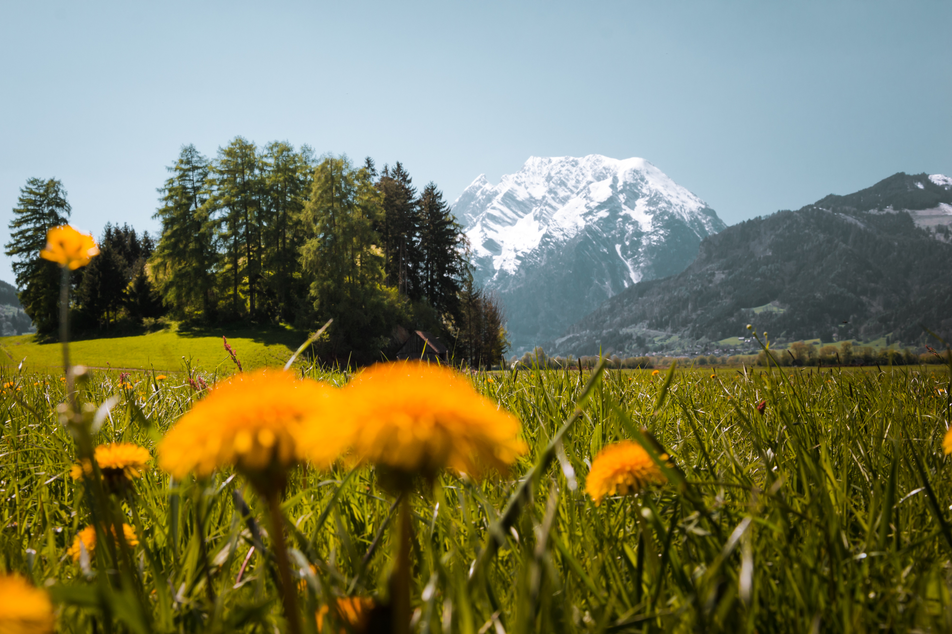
288, 591
400, 580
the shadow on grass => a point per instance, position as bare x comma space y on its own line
259, 333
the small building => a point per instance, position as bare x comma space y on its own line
423, 346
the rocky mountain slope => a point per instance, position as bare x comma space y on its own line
13, 321
876, 262
563, 234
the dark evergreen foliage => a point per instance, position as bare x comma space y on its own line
443, 249
399, 230
41, 206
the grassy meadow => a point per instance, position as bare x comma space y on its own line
162, 351
796, 501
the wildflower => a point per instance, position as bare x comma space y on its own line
714, 376
761, 406
416, 418
23, 608
655, 372
947, 442
160, 377
119, 463
256, 422
353, 612
86, 539
69, 248
620, 469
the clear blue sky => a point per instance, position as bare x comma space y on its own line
753, 106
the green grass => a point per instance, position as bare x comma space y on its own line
163, 350
827, 512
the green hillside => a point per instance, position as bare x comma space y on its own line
163, 350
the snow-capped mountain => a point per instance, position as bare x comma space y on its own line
564, 234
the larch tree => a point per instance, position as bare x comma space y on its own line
286, 177
41, 206
235, 203
341, 257
184, 260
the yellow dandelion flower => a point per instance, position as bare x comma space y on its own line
413, 417
23, 608
622, 468
655, 372
353, 612
262, 422
69, 248
160, 377
118, 462
947, 442
86, 538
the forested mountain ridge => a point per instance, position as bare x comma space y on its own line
861, 266
13, 321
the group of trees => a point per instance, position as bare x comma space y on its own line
274, 234
800, 354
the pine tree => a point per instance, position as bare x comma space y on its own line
41, 206
400, 231
184, 259
443, 250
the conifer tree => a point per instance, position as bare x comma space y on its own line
443, 250
285, 185
41, 206
234, 202
341, 258
400, 231
184, 259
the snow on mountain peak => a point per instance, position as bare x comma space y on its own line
560, 196
941, 180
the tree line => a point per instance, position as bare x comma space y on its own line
273, 234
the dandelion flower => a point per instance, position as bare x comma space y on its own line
417, 418
86, 538
622, 468
947, 442
23, 608
69, 248
655, 372
262, 422
160, 377
120, 463
353, 612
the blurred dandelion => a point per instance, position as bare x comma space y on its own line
623, 468
413, 418
352, 612
263, 423
86, 539
69, 248
119, 463
23, 608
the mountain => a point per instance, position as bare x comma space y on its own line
562, 235
13, 321
873, 263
